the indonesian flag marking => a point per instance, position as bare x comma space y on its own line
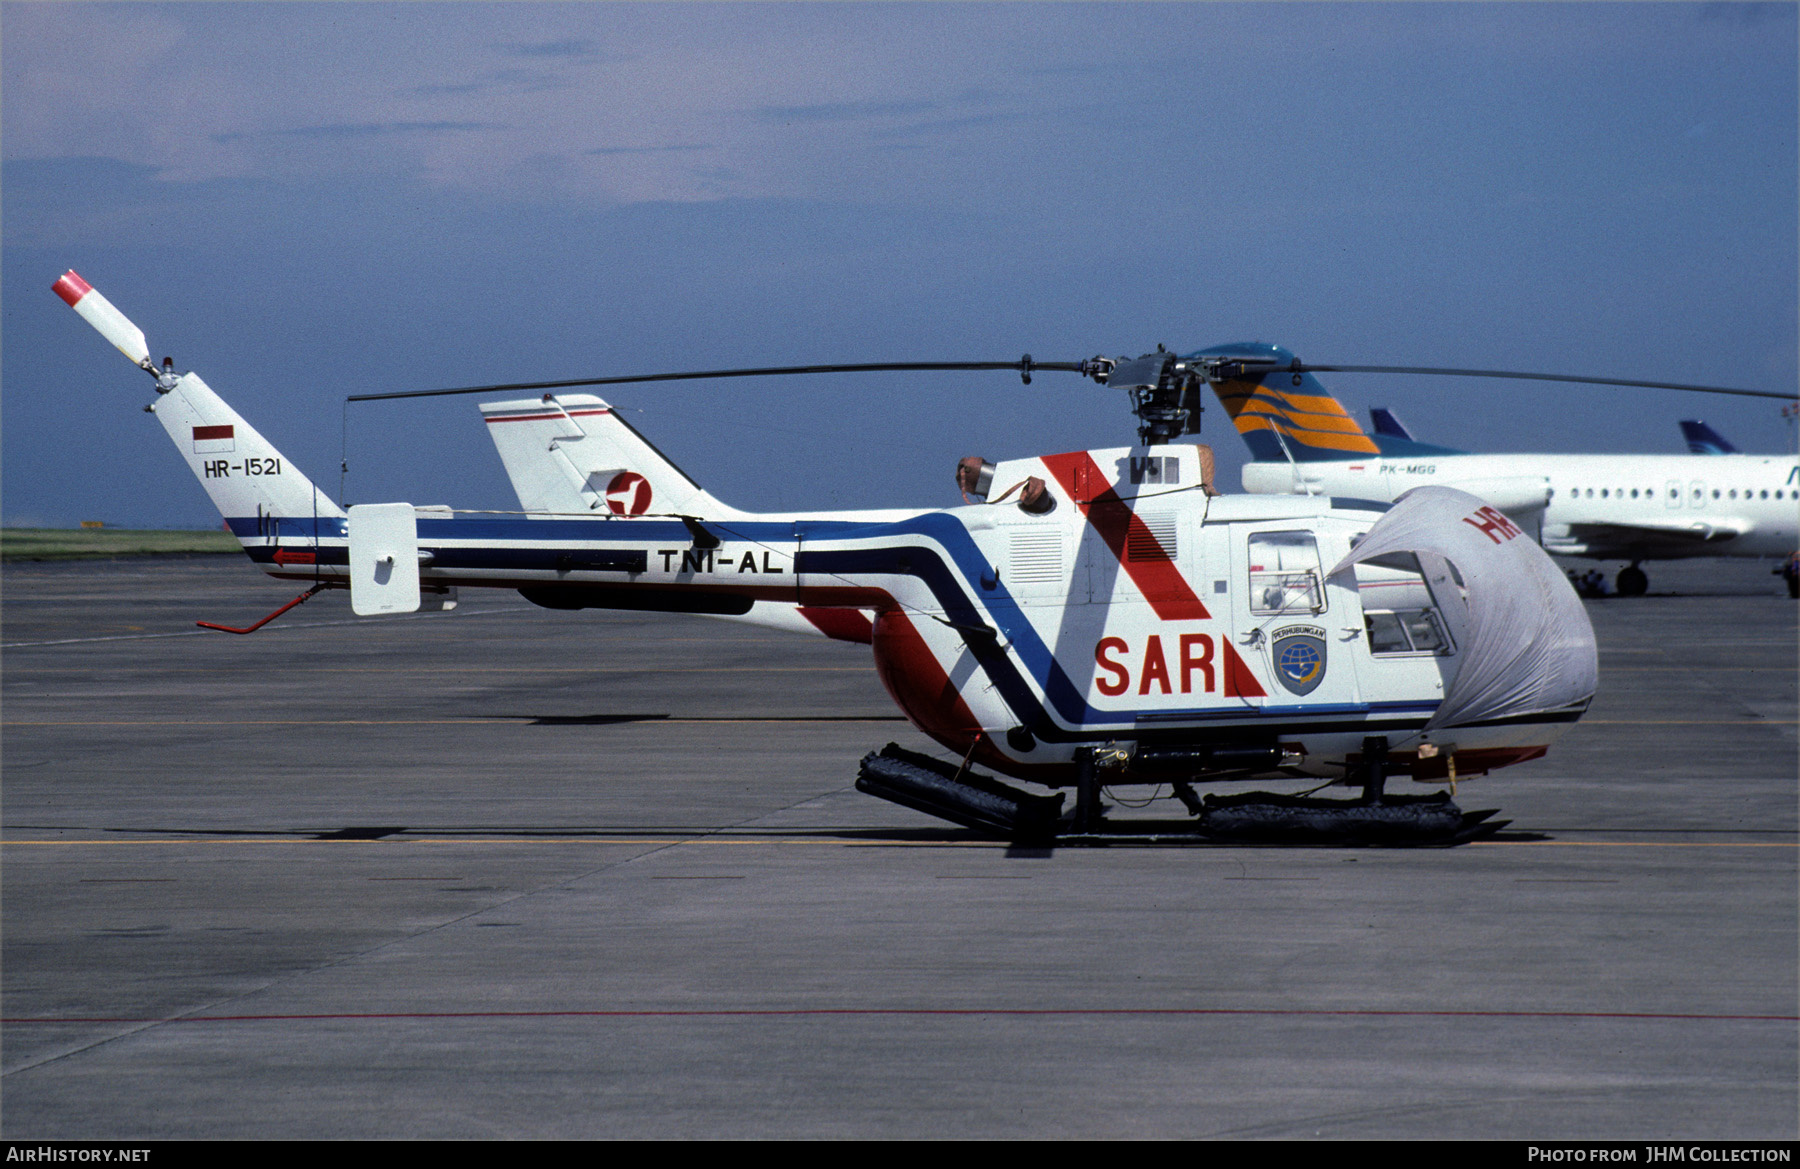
628, 494
215, 440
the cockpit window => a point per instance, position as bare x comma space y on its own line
1398, 609
1285, 576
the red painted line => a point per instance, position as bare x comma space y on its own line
1159, 580
71, 287
919, 1012
202, 433
540, 417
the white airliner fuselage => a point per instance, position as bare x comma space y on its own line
1629, 507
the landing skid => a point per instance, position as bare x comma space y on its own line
1268, 818
998, 810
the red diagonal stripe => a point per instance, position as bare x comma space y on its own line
1240, 682
1159, 580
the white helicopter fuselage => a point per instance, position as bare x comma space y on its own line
1128, 616
1631, 507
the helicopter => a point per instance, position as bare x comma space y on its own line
1084, 621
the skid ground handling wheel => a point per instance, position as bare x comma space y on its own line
996, 809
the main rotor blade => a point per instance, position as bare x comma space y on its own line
1309, 367
1025, 366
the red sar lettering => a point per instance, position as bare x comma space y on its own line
1196, 654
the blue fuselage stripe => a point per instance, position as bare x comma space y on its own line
959, 587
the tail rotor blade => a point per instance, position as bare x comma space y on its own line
99, 312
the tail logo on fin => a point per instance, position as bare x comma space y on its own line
628, 494
1287, 416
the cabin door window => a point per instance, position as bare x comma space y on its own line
1285, 576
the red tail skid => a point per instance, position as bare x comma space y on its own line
302, 598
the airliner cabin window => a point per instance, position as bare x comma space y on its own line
1285, 576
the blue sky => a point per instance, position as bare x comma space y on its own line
305, 201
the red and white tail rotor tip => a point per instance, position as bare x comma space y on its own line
72, 287
99, 312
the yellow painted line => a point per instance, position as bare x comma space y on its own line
780, 841
1638, 843
645, 841
686, 719
601, 720
573, 720
1693, 669
286, 722
645, 669
1691, 721
785, 719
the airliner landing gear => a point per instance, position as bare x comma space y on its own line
1632, 582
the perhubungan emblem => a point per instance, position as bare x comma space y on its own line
1299, 653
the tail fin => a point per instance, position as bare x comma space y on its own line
573, 453
1704, 440
247, 478
1396, 442
1387, 424
1285, 415
250, 482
